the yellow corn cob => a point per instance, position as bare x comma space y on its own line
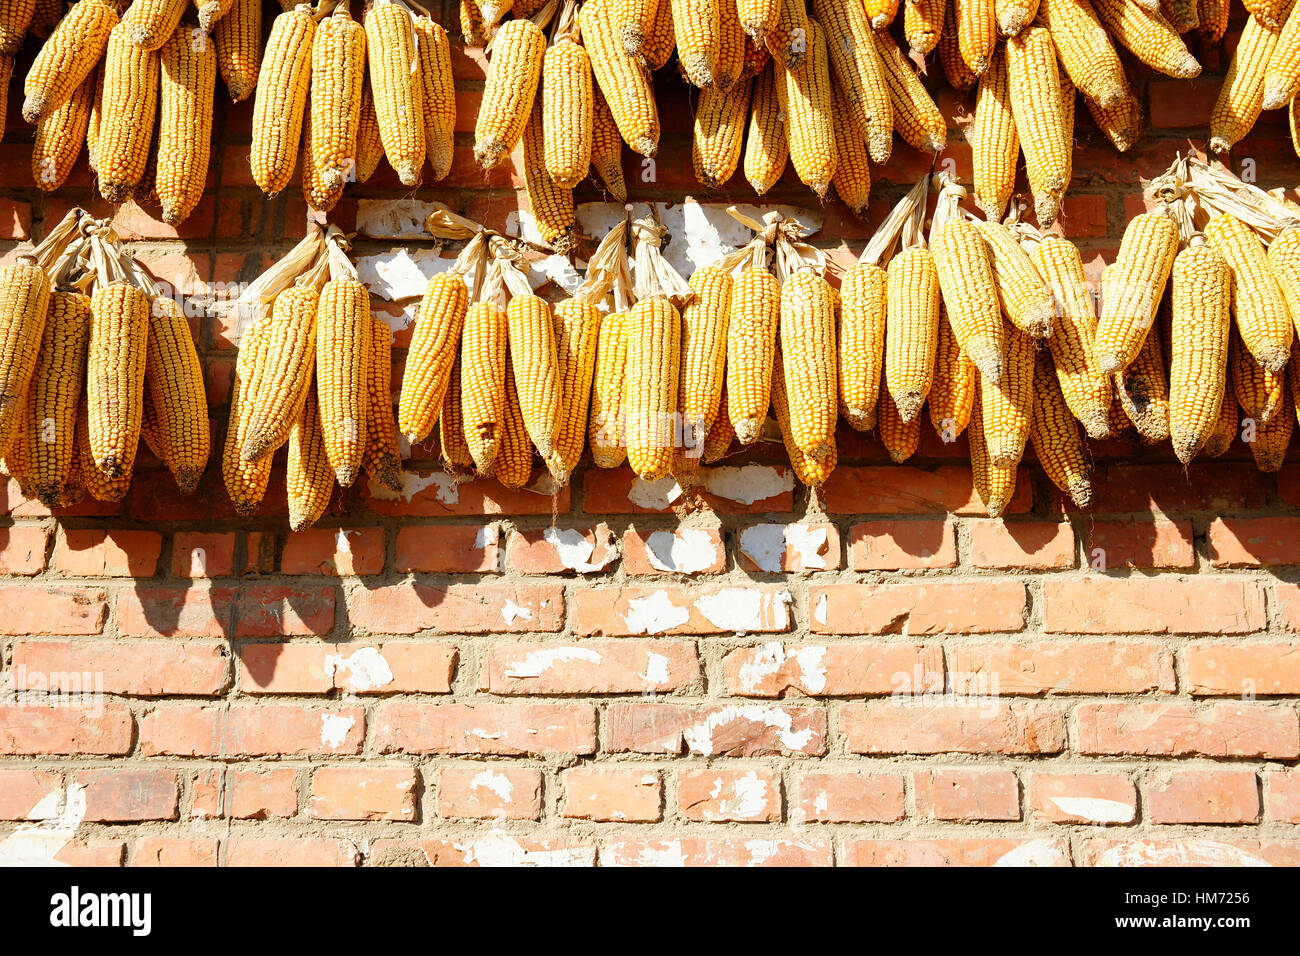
119, 338
923, 24
439, 98
68, 57
1026, 299
513, 464
605, 426
92, 127
1258, 391
852, 180
338, 69
960, 77
1284, 263
607, 148
531, 337
637, 20
1271, 440
189, 76
54, 393
343, 330
370, 150
1213, 18
451, 427
174, 383
1182, 14
381, 459
660, 40
318, 194
787, 39
238, 36
577, 329
59, 137
1055, 436
756, 57
245, 482
1148, 36
955, 382
810, 471
862, 342
552, 204
45, 17
911, 330
995, 145
1085, 50
1271, 13
131, 104
281, 99
153, 22
483, 381
650, 386
880, 13
473, 30
1037, 102
1008, 404
858, 75
1087, 392
398, 89
567, 112
730, 45
1143, 390
811, 370
758, 16
805, 98
1014, 15
767, 147
966, 279
1242, 95
494, 10
704, 354
1121, 122
514, 72
308, 477
624, 82
431, 355
1225, 429
720, 118
100, 488
1198, 347
150, 433
916, 118
284, 374
211, 12
1137, 283
977, 33
900, 438
718, 441
1258, 307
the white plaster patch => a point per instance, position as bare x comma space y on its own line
746, 484
497, 783
654, 495
656, 670
810, 662
654, 614
687, 551
819, 612
537, 663
1183, 853
512, 611
560, 271
1034, 853
363, 670
699, 737
37, 844
742, 610
807, 544
747, 800
394, 218
401, 276
764, 544
1095, 809
500, 849
334, 729
662, 853
574, 550
444, 487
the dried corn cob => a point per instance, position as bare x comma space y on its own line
624, 82
1271, 13
995, 145
483, 381
1148, 36
531, 337
970, 293
805, 98
59, 138
68, 57
318, 194
960, 77
1134, 288
767, 147
1055, 436
284, 373
1038, 105
807, 332
131, 87
911, 330
731, 46
370, 150
1213, 18
605, 425
952, 395
787, 39
1284, 263
577, 330
720, 437
54, 394
1026, 299
1259, 309
900, 438
431, 355
758, 16
1183, 15
1271, 440
189, 76
1014, 15
637, 20
552, 204
1242, 95
119, 337
852, 179
916, 118
1121, 122
567, 112
451, 427
1085, 50
343, 327
338, 69
651, 385
977, 33
1008, 404
513, 464
704, 354
862, 342
238, 36
696, 32
660, 41
858, 75
1198, 347
439, 98
1143, 391
245, 482
100, 487
398, 90
720, 118
880, 13
812, 472
474, 31
923, 24
1258, 391
309, 477
281, 99
46, 17
381, 460
174, 383
152, 22
607, 148
211, 12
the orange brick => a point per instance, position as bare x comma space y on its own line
1249, 542
680, 609
562, 550
995, 543
959, 852
335, 552
904, 490
608, 795
52, 611
850, 797
22, 550
1095, 798
244, 794
436, 494
678, 551
734, 730
591, 667
1138, 543
714, 852
358, 669
448, 549
174, 851
199, 555
1094, 604
483, 728
719, 794
952, 794
125, 796
490, 791
457, 608
89, 553
198, 611
1282, 795
1072, 667
66, 730
134, 668
1181, 729
896, 545
830, 670
1234, 670
947, 726
790, 548
252, 730
727, 489
1202, 796
931, 608
30, 794
363, 793
275, 610
290, 851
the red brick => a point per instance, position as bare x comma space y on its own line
435, 493
124, 796
1142, 605
1068, 667
830, 670
733, 730
920, 726
895, 490
1189, 851
895, 545
1249, 542
198, 611
457, 608
1202, 796
66, 730
1282, 795
320, 668
88, 553
790, 548
490, 791
483, 728
1178, 104
727, 489
1286, 599
15, 219
448, 549
363, 793
1182, 729
254, 730
995, 543
132, 668
1172, 488
930, 608
680, 609
1138, 543
562, 550
497, 848
174, 851
275, 610
30, 794
290, 851
849, 797
1243, 670
720, 795
244, 794
591, 667
92, 853
51, 610
948, 793
609, 795
714, 852
199, 555
680, 551
22, 550
959, 852
1095, 798
336, 552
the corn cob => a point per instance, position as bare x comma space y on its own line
1026, 299
211, 12
911, 330
1212, 15
46, 17
880, 13
1121, 122
1242, 95
119, 337
308, 477
577, 330
567, 112
318, 194
59, 138
238, 36
659, 42
704, 355
381, 459
955, 382
150, 433
960, 77
787, 39
810, 471
720, 437
1282, 73
452, 444
995, 145
852, 179
1271, 441
398, 89
494, 10
513, 464
1258, 391
1085, 50
281, 99
1137, 283
67, 57
720, 118
651, 384
637, 20
1055, 436
1258, 306
1143, 390
152, 22
1086, 391
284, 373
189, 76
552, 204
131, 86
370, 150
474, 31
1038, 105
100, 487
174, 384
338, 69
756, 57
1008, 404
92, 127
54, 393
757, 16
245, 482
531, 337
1199, 347
916, 117
805, 98
483, 381
970, 293
767, 146
431, 355
731, 46
607, 148
900, 438
807, 332
1148, 36
858, 75
697, 35
439, 100
1271, 13
1013, 16
923, 24
977, 33
624, 82
1183, 15
1225, 428
605, 425
1284, 263
343, 330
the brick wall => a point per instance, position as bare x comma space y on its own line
877, 676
